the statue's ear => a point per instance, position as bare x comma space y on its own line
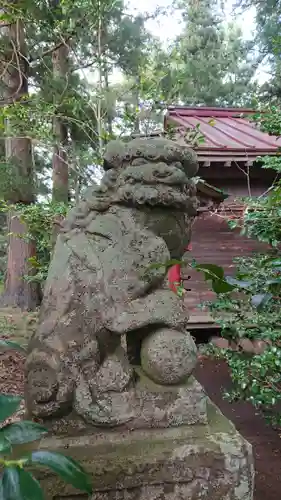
114, 155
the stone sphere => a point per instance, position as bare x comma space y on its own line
168, 357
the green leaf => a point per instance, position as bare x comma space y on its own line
238, 283
274, 285
173, 262
273, 262
8, 405
232, 224
29, 486
11, 484
193, 264
215, 274
211, 271
69, 470
5, 446
201, 139
276, 281
23, 432
260, 300
1, 488
221, 286
7, 344
166, 265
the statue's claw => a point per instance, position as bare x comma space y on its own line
49, 389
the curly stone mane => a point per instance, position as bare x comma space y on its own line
153, 172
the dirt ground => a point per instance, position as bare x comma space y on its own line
18, 327
214, 377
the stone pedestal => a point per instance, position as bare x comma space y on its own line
190, 462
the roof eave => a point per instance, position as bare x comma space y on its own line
215, 194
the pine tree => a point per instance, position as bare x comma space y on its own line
208, 64
241, 62
200, 48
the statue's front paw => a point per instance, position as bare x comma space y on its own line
107, 398
49, 389
42, 384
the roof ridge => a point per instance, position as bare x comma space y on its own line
193, 110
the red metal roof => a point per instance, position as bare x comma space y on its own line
229, 134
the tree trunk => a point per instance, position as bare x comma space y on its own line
60, 163
18, 291
18, 150
3, 248
106, 86
60, 192
136, 100
100, 118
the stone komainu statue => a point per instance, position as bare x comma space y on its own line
102, 285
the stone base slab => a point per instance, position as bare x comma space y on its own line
193, 462
152, 406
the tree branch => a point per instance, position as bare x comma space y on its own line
52, 49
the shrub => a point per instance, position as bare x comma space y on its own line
252, 311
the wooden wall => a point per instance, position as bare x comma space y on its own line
213, 241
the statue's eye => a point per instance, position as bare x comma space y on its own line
153, 156
178, 164
138, 161
127, 157
161, 174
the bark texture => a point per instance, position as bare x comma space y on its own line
18, 150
